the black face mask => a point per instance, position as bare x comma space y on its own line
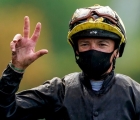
94, 63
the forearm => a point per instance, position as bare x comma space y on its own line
28, 103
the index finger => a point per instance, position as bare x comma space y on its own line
26, 28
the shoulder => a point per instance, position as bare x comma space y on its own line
125, 80
71, 79
128, 87
56, 80
71, 76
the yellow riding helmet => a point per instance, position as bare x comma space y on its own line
97, 21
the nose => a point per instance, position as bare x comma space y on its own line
93, 46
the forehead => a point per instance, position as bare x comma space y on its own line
95, 40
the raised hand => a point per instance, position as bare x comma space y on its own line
23, 47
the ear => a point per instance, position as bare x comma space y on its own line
117, 55
116, 52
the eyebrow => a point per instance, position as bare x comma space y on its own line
83, 41
106, 41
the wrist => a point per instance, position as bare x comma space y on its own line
18, 70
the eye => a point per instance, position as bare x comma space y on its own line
84, 44
102, 44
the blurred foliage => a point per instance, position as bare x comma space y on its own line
54, 16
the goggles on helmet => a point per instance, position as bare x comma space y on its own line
84, 13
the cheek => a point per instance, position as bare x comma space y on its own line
82, 49
111, 49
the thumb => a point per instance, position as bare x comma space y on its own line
16, 38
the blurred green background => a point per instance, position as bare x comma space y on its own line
54, 16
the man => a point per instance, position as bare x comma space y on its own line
97, 36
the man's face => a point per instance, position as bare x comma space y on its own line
99, 44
